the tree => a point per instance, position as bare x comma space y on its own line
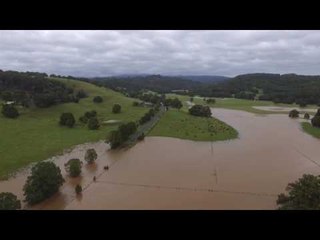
73, 167
119, 136
98, 99
315, 121
115, 139
78, 189
135, 104
81, 94
93, 123
303, 194
44, 181
211, 100
9, 201
201, 111
306, 116
191, 99
9, 111
67, 119
90, 156
294, 113
116, 108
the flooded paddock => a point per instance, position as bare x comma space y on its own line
169, 173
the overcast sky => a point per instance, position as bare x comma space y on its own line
104, 53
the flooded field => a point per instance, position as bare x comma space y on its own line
168, 173
284, 109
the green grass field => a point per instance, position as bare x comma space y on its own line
308, 128
36, 135
180, 124
236, 104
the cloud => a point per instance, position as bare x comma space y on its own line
103, 53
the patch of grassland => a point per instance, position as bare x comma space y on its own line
36, 134
308, 128
236, 104
180, 124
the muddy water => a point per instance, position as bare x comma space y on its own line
284, 109
168, 173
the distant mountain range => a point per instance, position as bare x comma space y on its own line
196, 78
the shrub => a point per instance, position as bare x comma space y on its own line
306, 116
303, 194
90, 114
135, 104
90, 156
201, 111
9, 111
315, 121
141, 137
73, 167
98, 99
67, 119
78, 189
294, 113
81, 94
44, 181
93, 123
116, 108
9, 201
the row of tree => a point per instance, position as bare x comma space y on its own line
35, 89
122, 134
44, 181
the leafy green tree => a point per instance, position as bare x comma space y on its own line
303, 194
9, 111
115, 139
67, 119
81, 94
78, 189
93, 123
294, 113
98, 99
135, 104
90, 114
315, 121
201, 111
90, 156
44, 181
116, 108
306, 116
9, 201
73, 167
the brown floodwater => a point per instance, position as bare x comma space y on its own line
169, 173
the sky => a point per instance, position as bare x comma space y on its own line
194, 52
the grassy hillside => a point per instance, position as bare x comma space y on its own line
36, 135
180, 124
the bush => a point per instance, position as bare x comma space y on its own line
201, 111
93, 123
9, 201
116, 108
78, 189
98, 99
303, 194
306, 116
9, 111
81, 94
44, 181
90, 114
315, 121
141, 137
83, 119
135, 104
67, 119
90, 156
211, 100
294, 113
119, 136
73, 167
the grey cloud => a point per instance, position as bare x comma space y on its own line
103, 53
